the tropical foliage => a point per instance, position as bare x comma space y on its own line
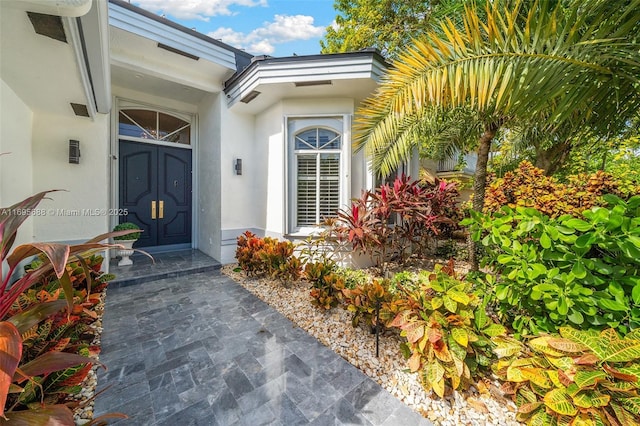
267, 257
62, 332
446, 328
45, 364
369, 302
326, 285
554, 272
397, 220
619, 156
565, 64
582, 377
387, 25
528, 186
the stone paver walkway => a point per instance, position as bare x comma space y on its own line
201, 350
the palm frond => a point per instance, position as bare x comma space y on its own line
569, 64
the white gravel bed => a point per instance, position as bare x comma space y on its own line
84, 413
356, 345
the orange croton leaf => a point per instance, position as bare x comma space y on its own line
586, 359
434, 334
10, 354
620, 375
90, 313
77, 377
414, 331
94, 351
414, 362
564, 378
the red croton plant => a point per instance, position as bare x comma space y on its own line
398, 219
55, 257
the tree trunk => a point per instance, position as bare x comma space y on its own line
480, 183
553, 158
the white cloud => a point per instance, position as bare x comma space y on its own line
195, 9
283, 29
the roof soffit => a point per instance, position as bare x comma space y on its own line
41, 71
129, 20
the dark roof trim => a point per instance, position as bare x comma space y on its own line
178, 52
242, 57
369, 52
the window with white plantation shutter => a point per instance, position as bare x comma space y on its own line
317, 160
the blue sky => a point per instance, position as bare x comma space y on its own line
261, 27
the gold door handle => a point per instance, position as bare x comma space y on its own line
153, 209
161, 212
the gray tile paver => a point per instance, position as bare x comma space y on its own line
201, 350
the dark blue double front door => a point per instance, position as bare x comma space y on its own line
155, 191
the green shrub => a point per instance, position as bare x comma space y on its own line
583, 377
554, 272
325, 247
353, 277
126, 226
449, 248
403, 280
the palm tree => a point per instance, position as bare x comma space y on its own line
573, 64
579, 64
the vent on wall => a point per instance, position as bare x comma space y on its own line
48, 25
177, 51
312, 83
80, 110
251, 96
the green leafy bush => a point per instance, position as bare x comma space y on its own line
554, 272
267, 256
325, 246
353, 277
446, 328
127, 226
583, 377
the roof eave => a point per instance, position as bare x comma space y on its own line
216, 51
366, 64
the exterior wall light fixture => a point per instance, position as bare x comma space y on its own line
74, 152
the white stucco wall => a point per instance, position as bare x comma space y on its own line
270, 147
240, 195
16, 179
207, 200
86, 184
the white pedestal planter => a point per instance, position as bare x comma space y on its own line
125, 252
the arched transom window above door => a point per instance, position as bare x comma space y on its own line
154, 126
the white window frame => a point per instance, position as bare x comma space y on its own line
340, 124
